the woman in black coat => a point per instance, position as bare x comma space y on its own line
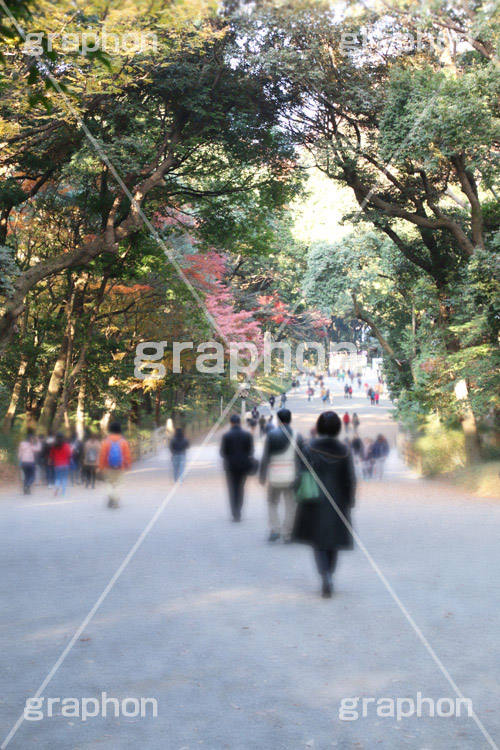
319, 523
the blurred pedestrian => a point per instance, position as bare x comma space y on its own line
91, 450
178, 448
355, 423
262, 425
60, 457
380, 451
346, 419
367, 458
237, 449
321, 523
279, 468
114, 460
27, 453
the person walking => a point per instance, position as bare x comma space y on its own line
322, 523
262, 425
380, 451
272, 401
355, 423
114, 460
368, 458
27, 453
269, 424
350, 391
279, 468
91, 450
377, 397
60, 457
346, 390
178, 448
45, 457
346, 419
283, 400
237, 449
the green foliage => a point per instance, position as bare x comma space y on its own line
440, 449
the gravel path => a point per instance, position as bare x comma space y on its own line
228, 634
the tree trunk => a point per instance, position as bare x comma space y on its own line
18, 384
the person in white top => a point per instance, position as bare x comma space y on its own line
279, 468
27, 455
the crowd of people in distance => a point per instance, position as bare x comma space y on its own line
58, 461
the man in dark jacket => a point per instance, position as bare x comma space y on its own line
237, 451
279, 466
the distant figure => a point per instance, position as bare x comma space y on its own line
279, 467
76, 457
269, 424
368, 458
319, 523
357, 451
60, 457
237, 450
262, 425
272, 401
255, 414
355, 423
350, 391
377, 397
91, 451
346, 390
114, 460
283, 400
380, 451
346, 419
45, 459
178, 448
27, 453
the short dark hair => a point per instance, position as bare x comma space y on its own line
115, 428
328, 424
235, 419
284, 416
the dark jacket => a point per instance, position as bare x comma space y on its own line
380, 449
237, 449
277, 441
179, 444
319, 524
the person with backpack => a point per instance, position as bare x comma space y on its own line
321, 523
237, 450
178, 448
91, 451
114, 460
279, 467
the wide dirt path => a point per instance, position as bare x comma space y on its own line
228, 634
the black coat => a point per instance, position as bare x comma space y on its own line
318, 523
237, 449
